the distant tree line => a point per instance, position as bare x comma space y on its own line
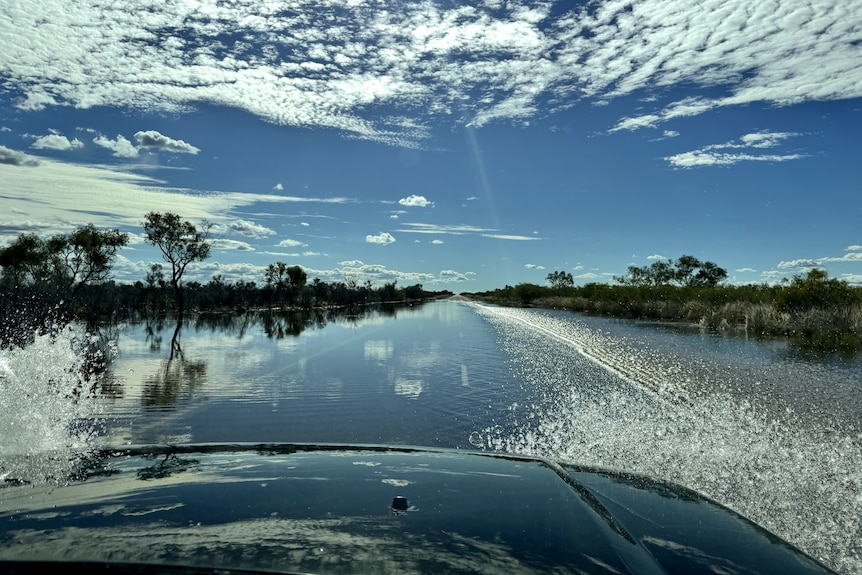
49, 281
686, 271
812, 308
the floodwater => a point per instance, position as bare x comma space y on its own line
769, 430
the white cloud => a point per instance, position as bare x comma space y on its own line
56, 142
60, 194
745, 270
415, 201
288, 243
436, 242
278, 187
798, 264
656, 257
712, 156
853, 248
423, 228
249, 229
534, 267
383, 238
670, 134
121, 147
393, 217
12, 157
852, 256
510, 237
223, 244
379, 72
153, 139
455, 276
376, 273
693, 159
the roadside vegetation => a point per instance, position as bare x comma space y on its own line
813, 309
47, 282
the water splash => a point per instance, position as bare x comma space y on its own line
50, 416
601, 402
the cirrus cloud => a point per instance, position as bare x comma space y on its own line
380, 73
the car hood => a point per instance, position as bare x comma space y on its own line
374, 509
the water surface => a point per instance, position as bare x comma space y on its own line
770, 432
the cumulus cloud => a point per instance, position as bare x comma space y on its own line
56, 142
153, 139
436, 242
745, 270
534, 267
288, 243
16, 158
278, 187
798, 264
656, 257
249, 229
455, 276
383, 238
851, 256
415, 201
223, 244
120, 146
376, 273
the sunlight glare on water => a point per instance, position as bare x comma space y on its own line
49, 421
601, 405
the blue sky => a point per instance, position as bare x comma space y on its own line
463, 146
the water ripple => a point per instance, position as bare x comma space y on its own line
610, 402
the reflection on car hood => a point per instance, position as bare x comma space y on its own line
368, 509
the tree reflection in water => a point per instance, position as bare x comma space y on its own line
176, 381
177, 378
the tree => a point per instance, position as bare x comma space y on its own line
181, 243
681, 273
85, 255
283, 278
709, 275
685, 266
26, 257
297, 276
560, 279
814, 290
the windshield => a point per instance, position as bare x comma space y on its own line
623, 234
